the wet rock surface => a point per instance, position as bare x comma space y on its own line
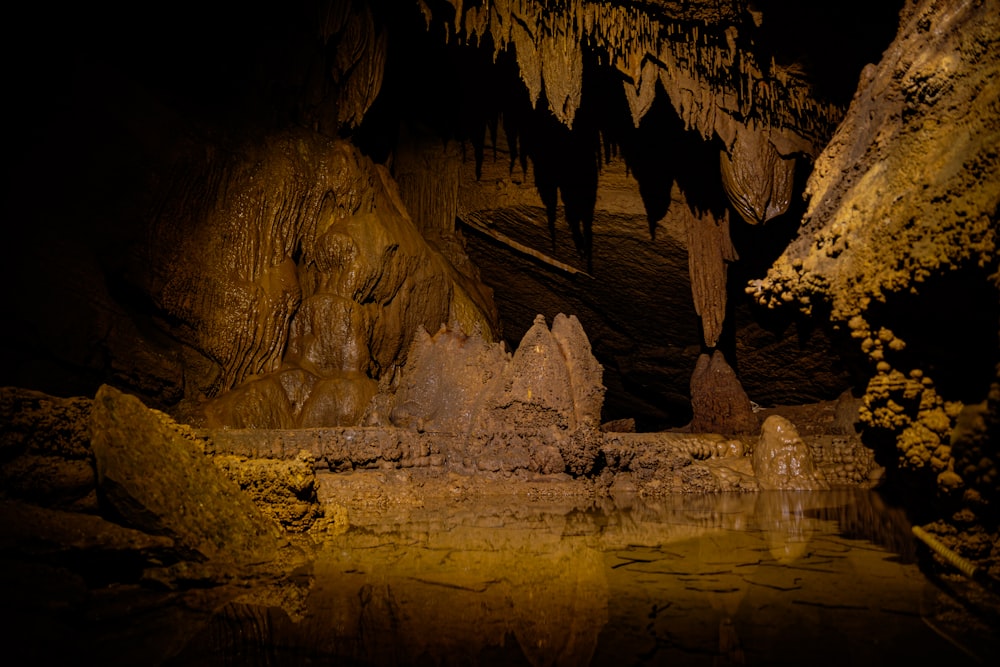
456, 383
159, 482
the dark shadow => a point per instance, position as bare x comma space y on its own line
813, 36
950, 330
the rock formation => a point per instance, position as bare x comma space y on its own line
719, 403
252, 223
298, 275
158, 482
781, 459
903, 211
457, 383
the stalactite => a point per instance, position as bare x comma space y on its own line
756, 177
704, 71
358, 67
528, 61
562, 72
710, 249
640, 95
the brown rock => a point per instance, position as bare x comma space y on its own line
536, 386
781, 459
446, 376
159, 482
717, 398
455, 383
337, 401
585, 373
285, 490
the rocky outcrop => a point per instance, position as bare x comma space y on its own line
782, 461
899, 243
157, 481
456, 383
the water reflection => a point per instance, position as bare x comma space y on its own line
768, 578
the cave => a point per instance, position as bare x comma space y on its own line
538, 332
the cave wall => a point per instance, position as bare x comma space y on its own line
899, 240
229, 255
899, 248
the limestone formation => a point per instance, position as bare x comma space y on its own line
158, 482
781, 459
719, 403
284, 490
458, 383
708, 78
903, 205
757, 178
443, 385
710, 251
303, 295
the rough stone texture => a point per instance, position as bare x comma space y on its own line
158, 481
589, 461
586, 375
899, 242
923, 125
45, 449
782, 461
719, 403
456, 383
442, 387
284, 490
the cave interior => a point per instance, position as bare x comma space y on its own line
503, 240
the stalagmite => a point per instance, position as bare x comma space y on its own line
718, 400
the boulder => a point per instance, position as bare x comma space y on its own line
154, 479
782, 461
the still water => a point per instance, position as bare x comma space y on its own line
803, 578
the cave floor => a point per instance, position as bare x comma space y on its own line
778, 578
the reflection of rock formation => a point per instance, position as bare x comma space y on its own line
567, 584
493, 585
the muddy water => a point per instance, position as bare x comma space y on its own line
825, 578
